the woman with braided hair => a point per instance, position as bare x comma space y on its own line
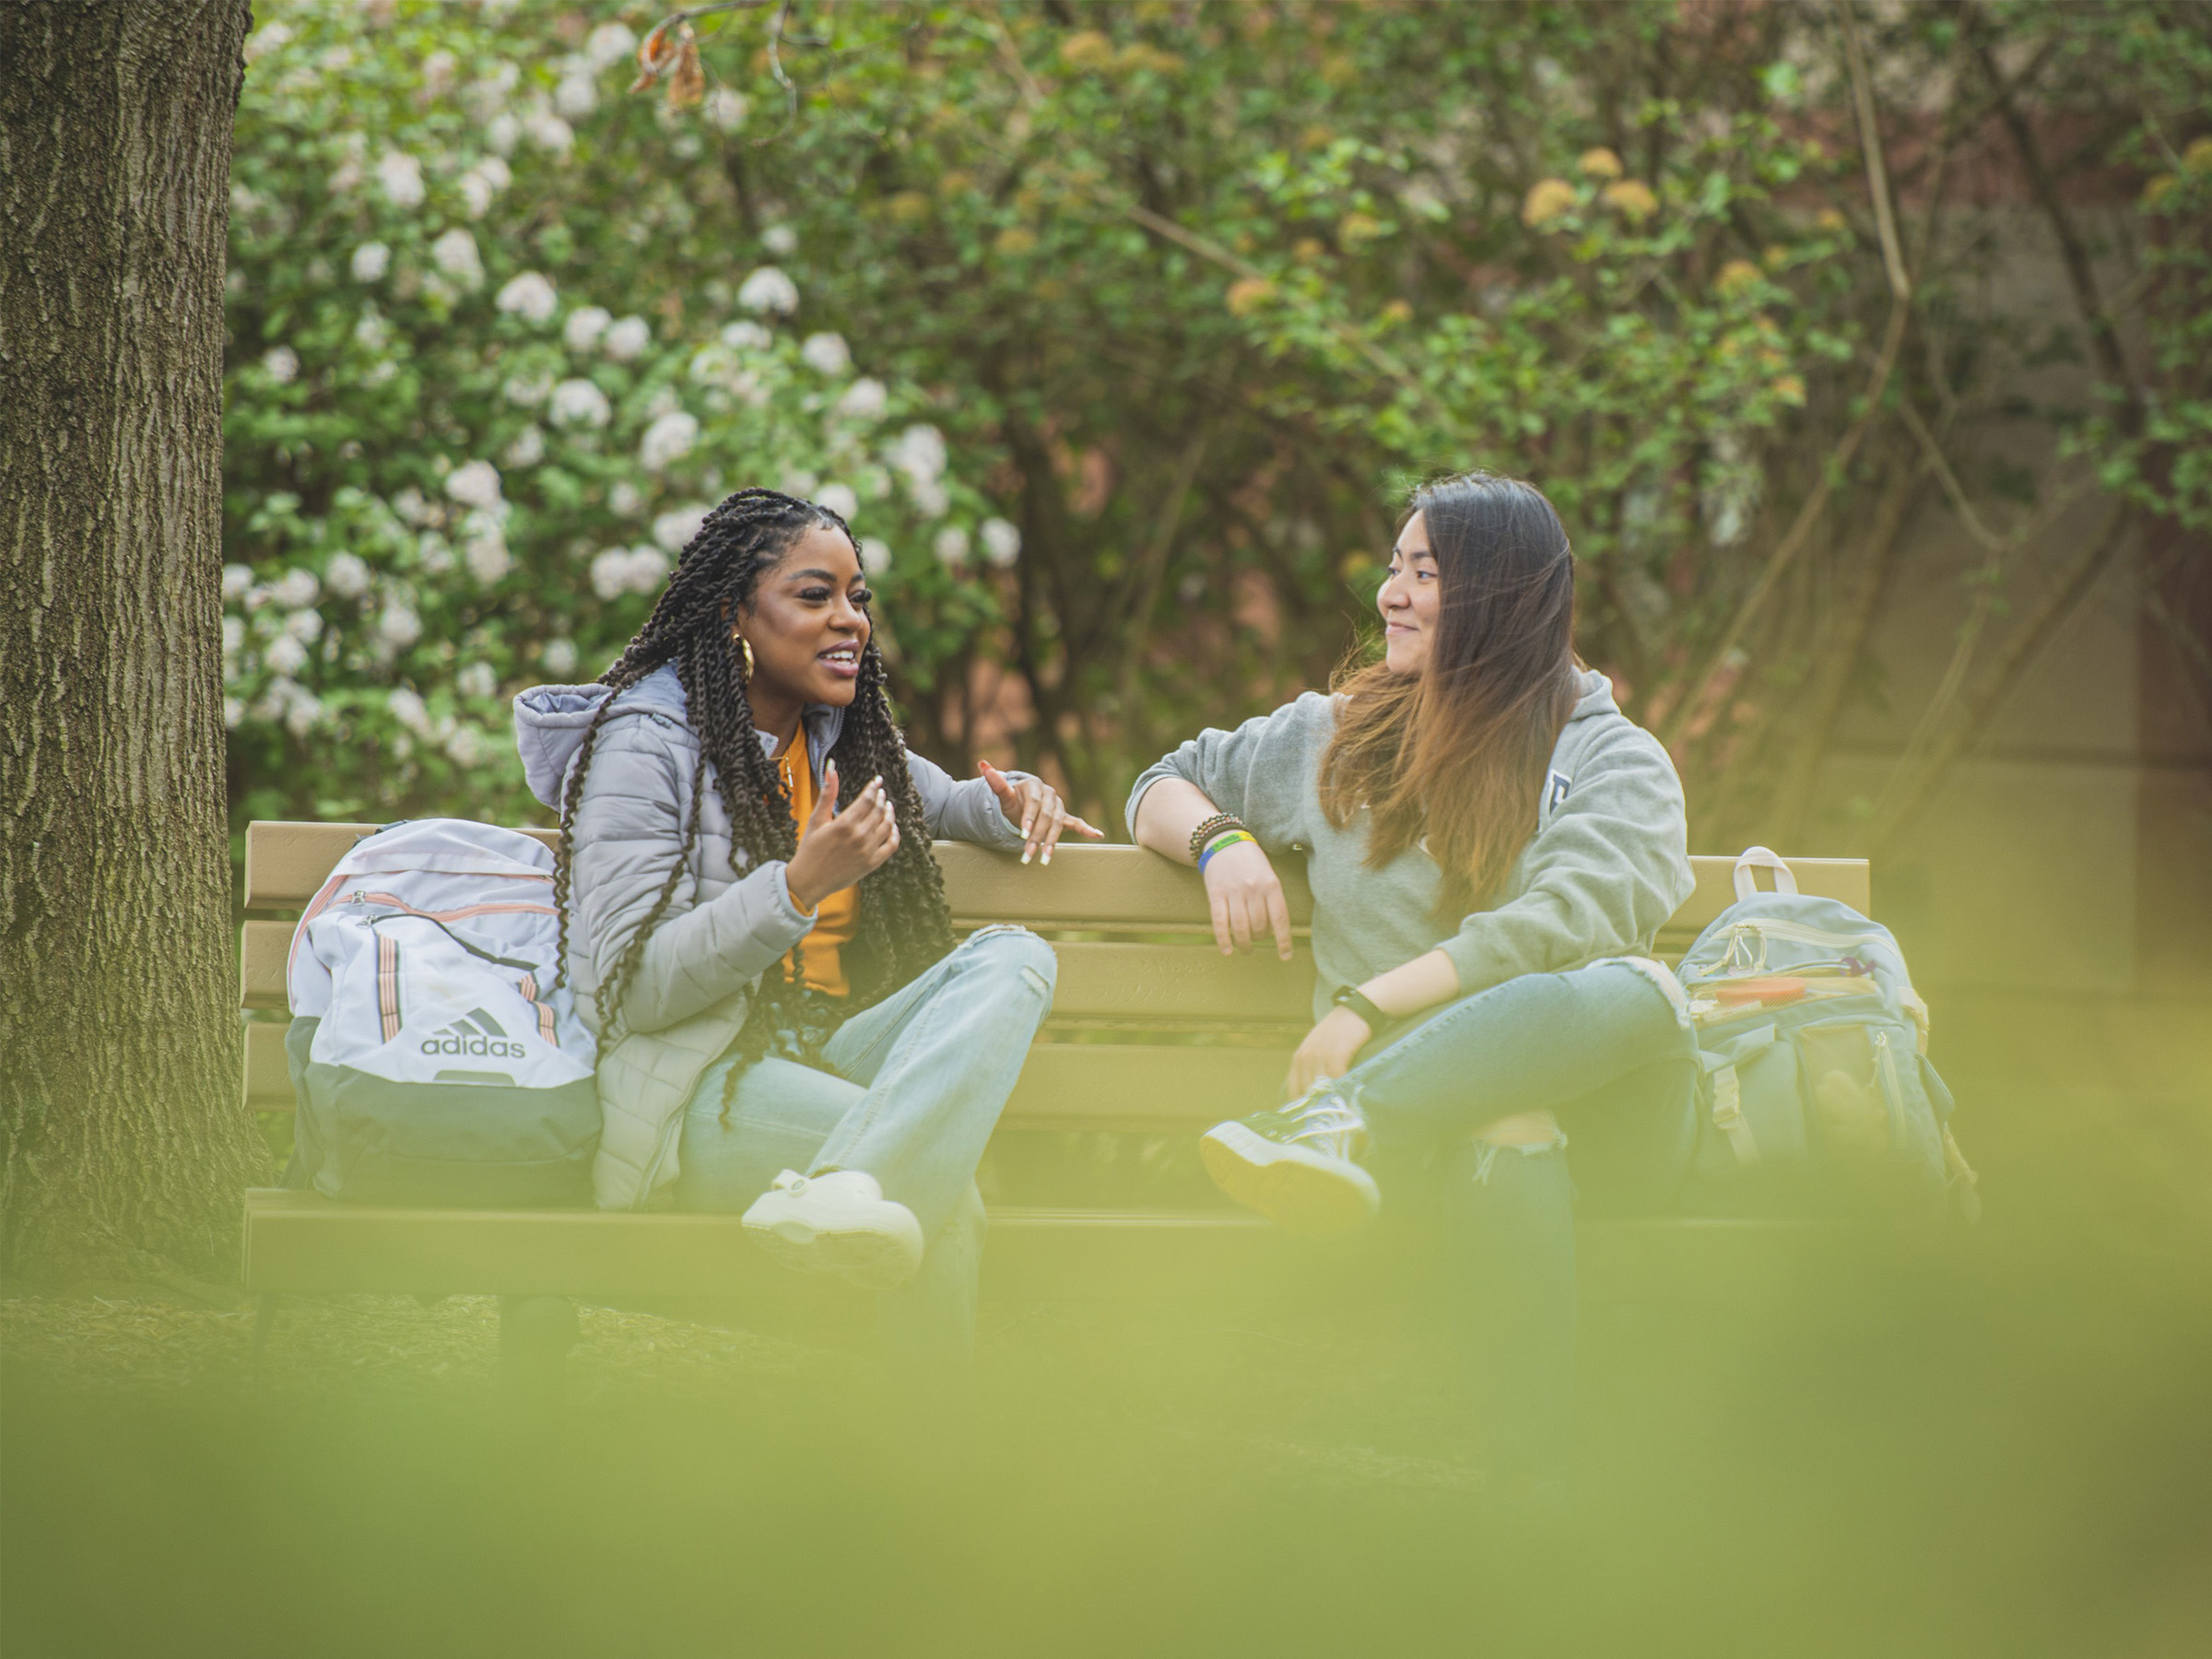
757, 930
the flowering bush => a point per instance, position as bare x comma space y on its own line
485, 380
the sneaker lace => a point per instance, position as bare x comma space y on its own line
1325, 1118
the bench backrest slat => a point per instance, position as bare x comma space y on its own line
1086, 888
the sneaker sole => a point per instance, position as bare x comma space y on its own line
879, 1261
1301, 1192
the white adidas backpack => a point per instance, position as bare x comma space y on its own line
434, 1058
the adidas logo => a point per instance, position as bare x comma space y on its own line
475, 1032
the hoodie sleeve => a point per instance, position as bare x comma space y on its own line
963, 809
1603, 874
1261, 773
628, 835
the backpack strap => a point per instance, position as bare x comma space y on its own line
1762, 858
1728, 1115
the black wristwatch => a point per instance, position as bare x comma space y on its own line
1358, 1002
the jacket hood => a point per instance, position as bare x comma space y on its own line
550, 722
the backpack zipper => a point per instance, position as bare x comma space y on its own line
1893, 1093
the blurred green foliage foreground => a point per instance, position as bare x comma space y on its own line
1115, 328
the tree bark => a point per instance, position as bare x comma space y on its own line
122, 1144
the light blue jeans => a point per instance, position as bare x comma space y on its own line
910, 1091
1603, 1049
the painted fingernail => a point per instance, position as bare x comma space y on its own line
1048, 855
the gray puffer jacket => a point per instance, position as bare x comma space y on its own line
729, 920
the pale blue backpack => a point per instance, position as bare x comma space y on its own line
1817, 1084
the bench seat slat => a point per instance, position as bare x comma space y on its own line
1063, 1085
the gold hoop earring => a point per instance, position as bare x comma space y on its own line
745, 646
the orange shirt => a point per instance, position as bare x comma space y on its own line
837, 915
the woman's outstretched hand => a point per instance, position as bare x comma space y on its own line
1035, 805
838, 848
1247, 900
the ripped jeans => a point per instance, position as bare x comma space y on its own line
1604, 1052
910, 1091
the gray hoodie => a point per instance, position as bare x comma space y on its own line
729, 919
1608, 863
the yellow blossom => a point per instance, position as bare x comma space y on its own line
1307, 249
1398, 311
1829, 219
1632, 197
1356, 227
908, 205
1014, 239
1087, 49
1547, 198
1735, 276
1600, 163
2197, 157
1249, 293
1790, 389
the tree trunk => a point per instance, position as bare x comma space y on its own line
122, 1144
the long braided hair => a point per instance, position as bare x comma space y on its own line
903, 925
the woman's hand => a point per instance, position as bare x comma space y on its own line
838, 848
1035, 805
1247, 900
1327, 1051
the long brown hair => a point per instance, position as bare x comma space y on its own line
1457, 753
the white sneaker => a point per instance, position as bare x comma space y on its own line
838, 1223
1297, 1166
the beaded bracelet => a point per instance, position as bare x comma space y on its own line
1226, 839
1209, 827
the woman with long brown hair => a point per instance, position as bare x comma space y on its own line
1491, 846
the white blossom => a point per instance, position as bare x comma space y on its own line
558, 656
919, 453
621, 570
624, 499
370, 331
839, 500
726, 109
799, 482
500, 132
780, 240
529, 296
303, 710
578, 403
400, 175
675, 528
409, 710
455, 255
745, 336
408, 504
477, 680
527, 391
1001, 542
435, 554
438, 72
465, 745
584, 326
295, 588
767, 289
875, 556
474, 483
305, 626
668, 440
233, 712
237, 579
575, 97
370, 261
347, 575
827, 353
547, 131
281, 364
951, 546
484, 545
476, 193
234, 635
864, 400
608, 45
628, 338
268, 38
398, 626
286, 655
528, 450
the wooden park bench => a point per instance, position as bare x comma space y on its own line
1152, 1031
